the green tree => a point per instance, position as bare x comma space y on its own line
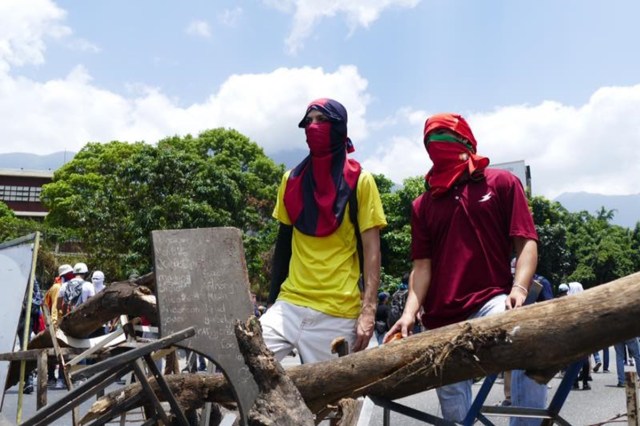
601, 252
396, 237
635, 245
5, 211
113, 195
554, 259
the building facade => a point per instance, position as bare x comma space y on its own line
21, 189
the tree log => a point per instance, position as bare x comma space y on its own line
279, 401
119, 298
540, 338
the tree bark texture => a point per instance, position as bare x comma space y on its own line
119, 298
539, 338
279, 401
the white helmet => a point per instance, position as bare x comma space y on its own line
80, 268
64, 269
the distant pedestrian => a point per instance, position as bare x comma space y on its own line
634, 351
97, 278
32, 327
75, 292
584, 376
382, 315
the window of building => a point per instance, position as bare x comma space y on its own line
20, 193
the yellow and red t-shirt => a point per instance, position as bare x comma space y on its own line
324, 271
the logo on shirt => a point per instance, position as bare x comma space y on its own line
486, 197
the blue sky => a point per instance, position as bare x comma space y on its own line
554, 83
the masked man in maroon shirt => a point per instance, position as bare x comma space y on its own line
465, 228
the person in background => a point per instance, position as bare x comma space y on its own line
254, 304
326, 205
382, 314
634, 351
32, 327
76, 291
584, 376
601, 362
97, 278
65, 273
464, 229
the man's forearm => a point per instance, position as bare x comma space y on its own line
371, 273
526, 261
419, 282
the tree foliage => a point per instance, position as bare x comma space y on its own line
396, 237
554, 257
113, 195
600, 251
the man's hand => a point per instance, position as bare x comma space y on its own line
364, 328
516, 298
404, 326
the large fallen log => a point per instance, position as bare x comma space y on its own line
119, 298
540, 338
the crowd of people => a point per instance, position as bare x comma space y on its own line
68, 290
474, 249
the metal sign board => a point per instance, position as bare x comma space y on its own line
519, 169
16, 258
202, 281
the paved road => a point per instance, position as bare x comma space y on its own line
605, 401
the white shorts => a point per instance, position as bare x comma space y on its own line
286, 326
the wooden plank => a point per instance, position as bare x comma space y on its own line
41, 394
633, 416
76, 396
138, 352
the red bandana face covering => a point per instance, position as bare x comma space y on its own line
451, 146
318, 189
319, 139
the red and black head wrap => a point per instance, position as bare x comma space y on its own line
452, 148
319, 188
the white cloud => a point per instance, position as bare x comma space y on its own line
67, 113
84, 45
230, 17
24, 26
592, 148
307, 14
199, 28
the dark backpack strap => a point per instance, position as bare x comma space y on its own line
353, 215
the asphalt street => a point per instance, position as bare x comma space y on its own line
598, 406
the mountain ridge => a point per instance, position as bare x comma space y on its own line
626, 207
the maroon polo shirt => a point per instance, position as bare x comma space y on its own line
467, 235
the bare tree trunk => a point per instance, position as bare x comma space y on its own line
539, 338
279, 401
